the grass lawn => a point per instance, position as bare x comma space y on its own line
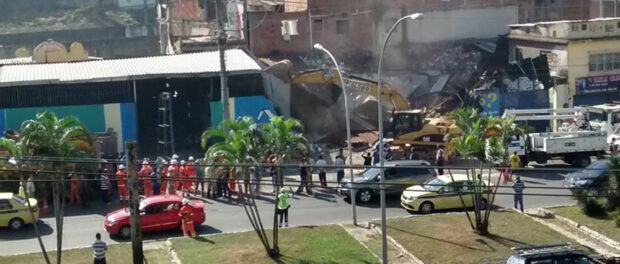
448, 238
603, 225
120, 253
324, 244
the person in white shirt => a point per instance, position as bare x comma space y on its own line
339, 162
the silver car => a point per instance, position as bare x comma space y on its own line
400, 175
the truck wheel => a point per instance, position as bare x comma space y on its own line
583, 161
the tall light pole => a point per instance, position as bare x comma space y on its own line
381, 155
345, 93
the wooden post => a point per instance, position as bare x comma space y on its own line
134, 203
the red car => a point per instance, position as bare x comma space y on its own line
160, 212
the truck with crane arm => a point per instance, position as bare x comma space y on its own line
575, 141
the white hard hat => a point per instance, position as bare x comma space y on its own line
191, 158
174, 162
121, 167
175, 156
165, 162
145, 162
183, 162
185, 201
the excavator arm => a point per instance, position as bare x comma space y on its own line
359, 84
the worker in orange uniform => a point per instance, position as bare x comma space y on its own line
183, 174
75, 190
164, 176
190, 169
187, 218
173, 176
121, 182
145, 175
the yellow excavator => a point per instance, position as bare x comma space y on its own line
407, 127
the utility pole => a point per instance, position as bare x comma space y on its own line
134, 204
221, 46
310, 28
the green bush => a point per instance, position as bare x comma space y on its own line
590, 204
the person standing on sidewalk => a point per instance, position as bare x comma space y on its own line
284, 204
515, 163
339, 162
75, 190
99, 249
106, 191
321, 163
518, 187
121, 183
145, 176
439, 159
303, 175
30, 189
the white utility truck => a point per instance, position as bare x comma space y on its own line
575, 141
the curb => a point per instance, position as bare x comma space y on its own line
364, 245
579, 239
593, 234
173, 255
398, 246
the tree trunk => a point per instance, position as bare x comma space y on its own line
36, 230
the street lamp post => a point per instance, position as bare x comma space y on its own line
381, 143
345, 93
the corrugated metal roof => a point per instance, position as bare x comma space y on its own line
203, 63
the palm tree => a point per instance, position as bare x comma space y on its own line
284, 139
240, 143
485, 139
55, 139
13, 148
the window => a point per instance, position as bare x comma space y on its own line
5, 205
618, 25
604, 62
554, 34
609, 28
574, 27
342, 27
584, 27
211, 10
317, 26
172, 207
154, 209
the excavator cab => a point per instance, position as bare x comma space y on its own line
403, 122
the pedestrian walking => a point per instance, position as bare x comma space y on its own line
121, 183
439, 159
30, 188
367, 158
515, 163
284, 204
99, 249
321, 163
273, 172
187, 217
613, 148
339, 162
303, 175
173, 176
106, 191
518, 188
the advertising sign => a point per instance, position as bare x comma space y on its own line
597, 84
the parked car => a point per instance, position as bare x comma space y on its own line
159, 212
14, 211
552, 254
441, 193
402, 173
592, 176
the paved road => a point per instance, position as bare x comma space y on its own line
325, 207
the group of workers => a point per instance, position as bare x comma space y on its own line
168, 178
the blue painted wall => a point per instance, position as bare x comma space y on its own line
129, 121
